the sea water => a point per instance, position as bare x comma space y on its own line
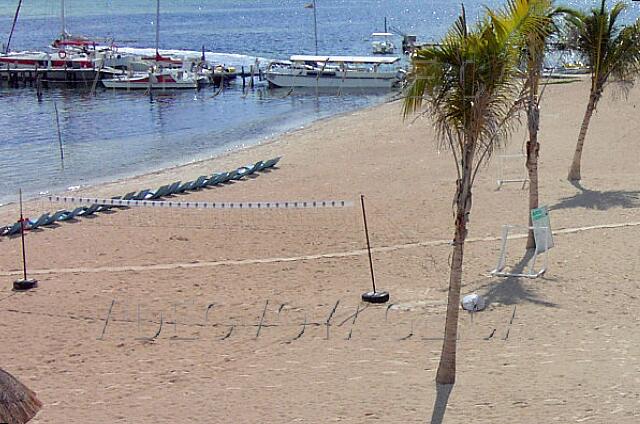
109, 134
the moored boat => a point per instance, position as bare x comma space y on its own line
381, 43
44, 60
163, 79
335, 71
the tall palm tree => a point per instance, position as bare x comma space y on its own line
533, 41
469, 87
613, 53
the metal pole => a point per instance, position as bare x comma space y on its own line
366, 232
55, 107
64, 30
315, 26
24, 256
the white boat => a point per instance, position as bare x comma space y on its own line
381, 43
44, 60
164, 74
72, 59
165, 79
335, 71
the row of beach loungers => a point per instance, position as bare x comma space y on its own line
164, 191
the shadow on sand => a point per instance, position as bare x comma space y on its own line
440, 406
599, 200
511, 290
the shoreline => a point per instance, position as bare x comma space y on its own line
243, 145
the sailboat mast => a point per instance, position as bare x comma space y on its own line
315, 26
13, 27
157, 27
62, 20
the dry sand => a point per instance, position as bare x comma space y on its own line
562, 348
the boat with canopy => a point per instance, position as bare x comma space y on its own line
336, 71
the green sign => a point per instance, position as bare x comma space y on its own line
542, 228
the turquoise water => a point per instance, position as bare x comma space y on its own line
114, 134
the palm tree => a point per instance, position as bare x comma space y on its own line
612, 51
533, 40
469, 86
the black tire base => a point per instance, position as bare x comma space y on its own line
22, 285
375, 297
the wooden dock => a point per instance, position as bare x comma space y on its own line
23, 77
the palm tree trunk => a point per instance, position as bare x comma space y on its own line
574, 171
447, 368
533, 150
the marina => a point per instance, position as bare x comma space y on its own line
228, 105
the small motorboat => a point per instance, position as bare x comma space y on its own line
162, 79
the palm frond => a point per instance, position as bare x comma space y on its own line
467, 83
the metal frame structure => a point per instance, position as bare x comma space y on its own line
541, 247
503, 179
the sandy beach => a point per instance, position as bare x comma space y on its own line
260, 310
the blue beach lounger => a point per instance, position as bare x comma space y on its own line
271, 163
142, 195
258, 166
162, 191
90, 210
115, 206
32, 225
217, 178
56, 216
200, 182
102, 208
238, 173
72, 214
128, 196
173, 188
184, 187
250, 168
14, 229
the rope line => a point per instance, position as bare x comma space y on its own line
352, 253
291, 204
